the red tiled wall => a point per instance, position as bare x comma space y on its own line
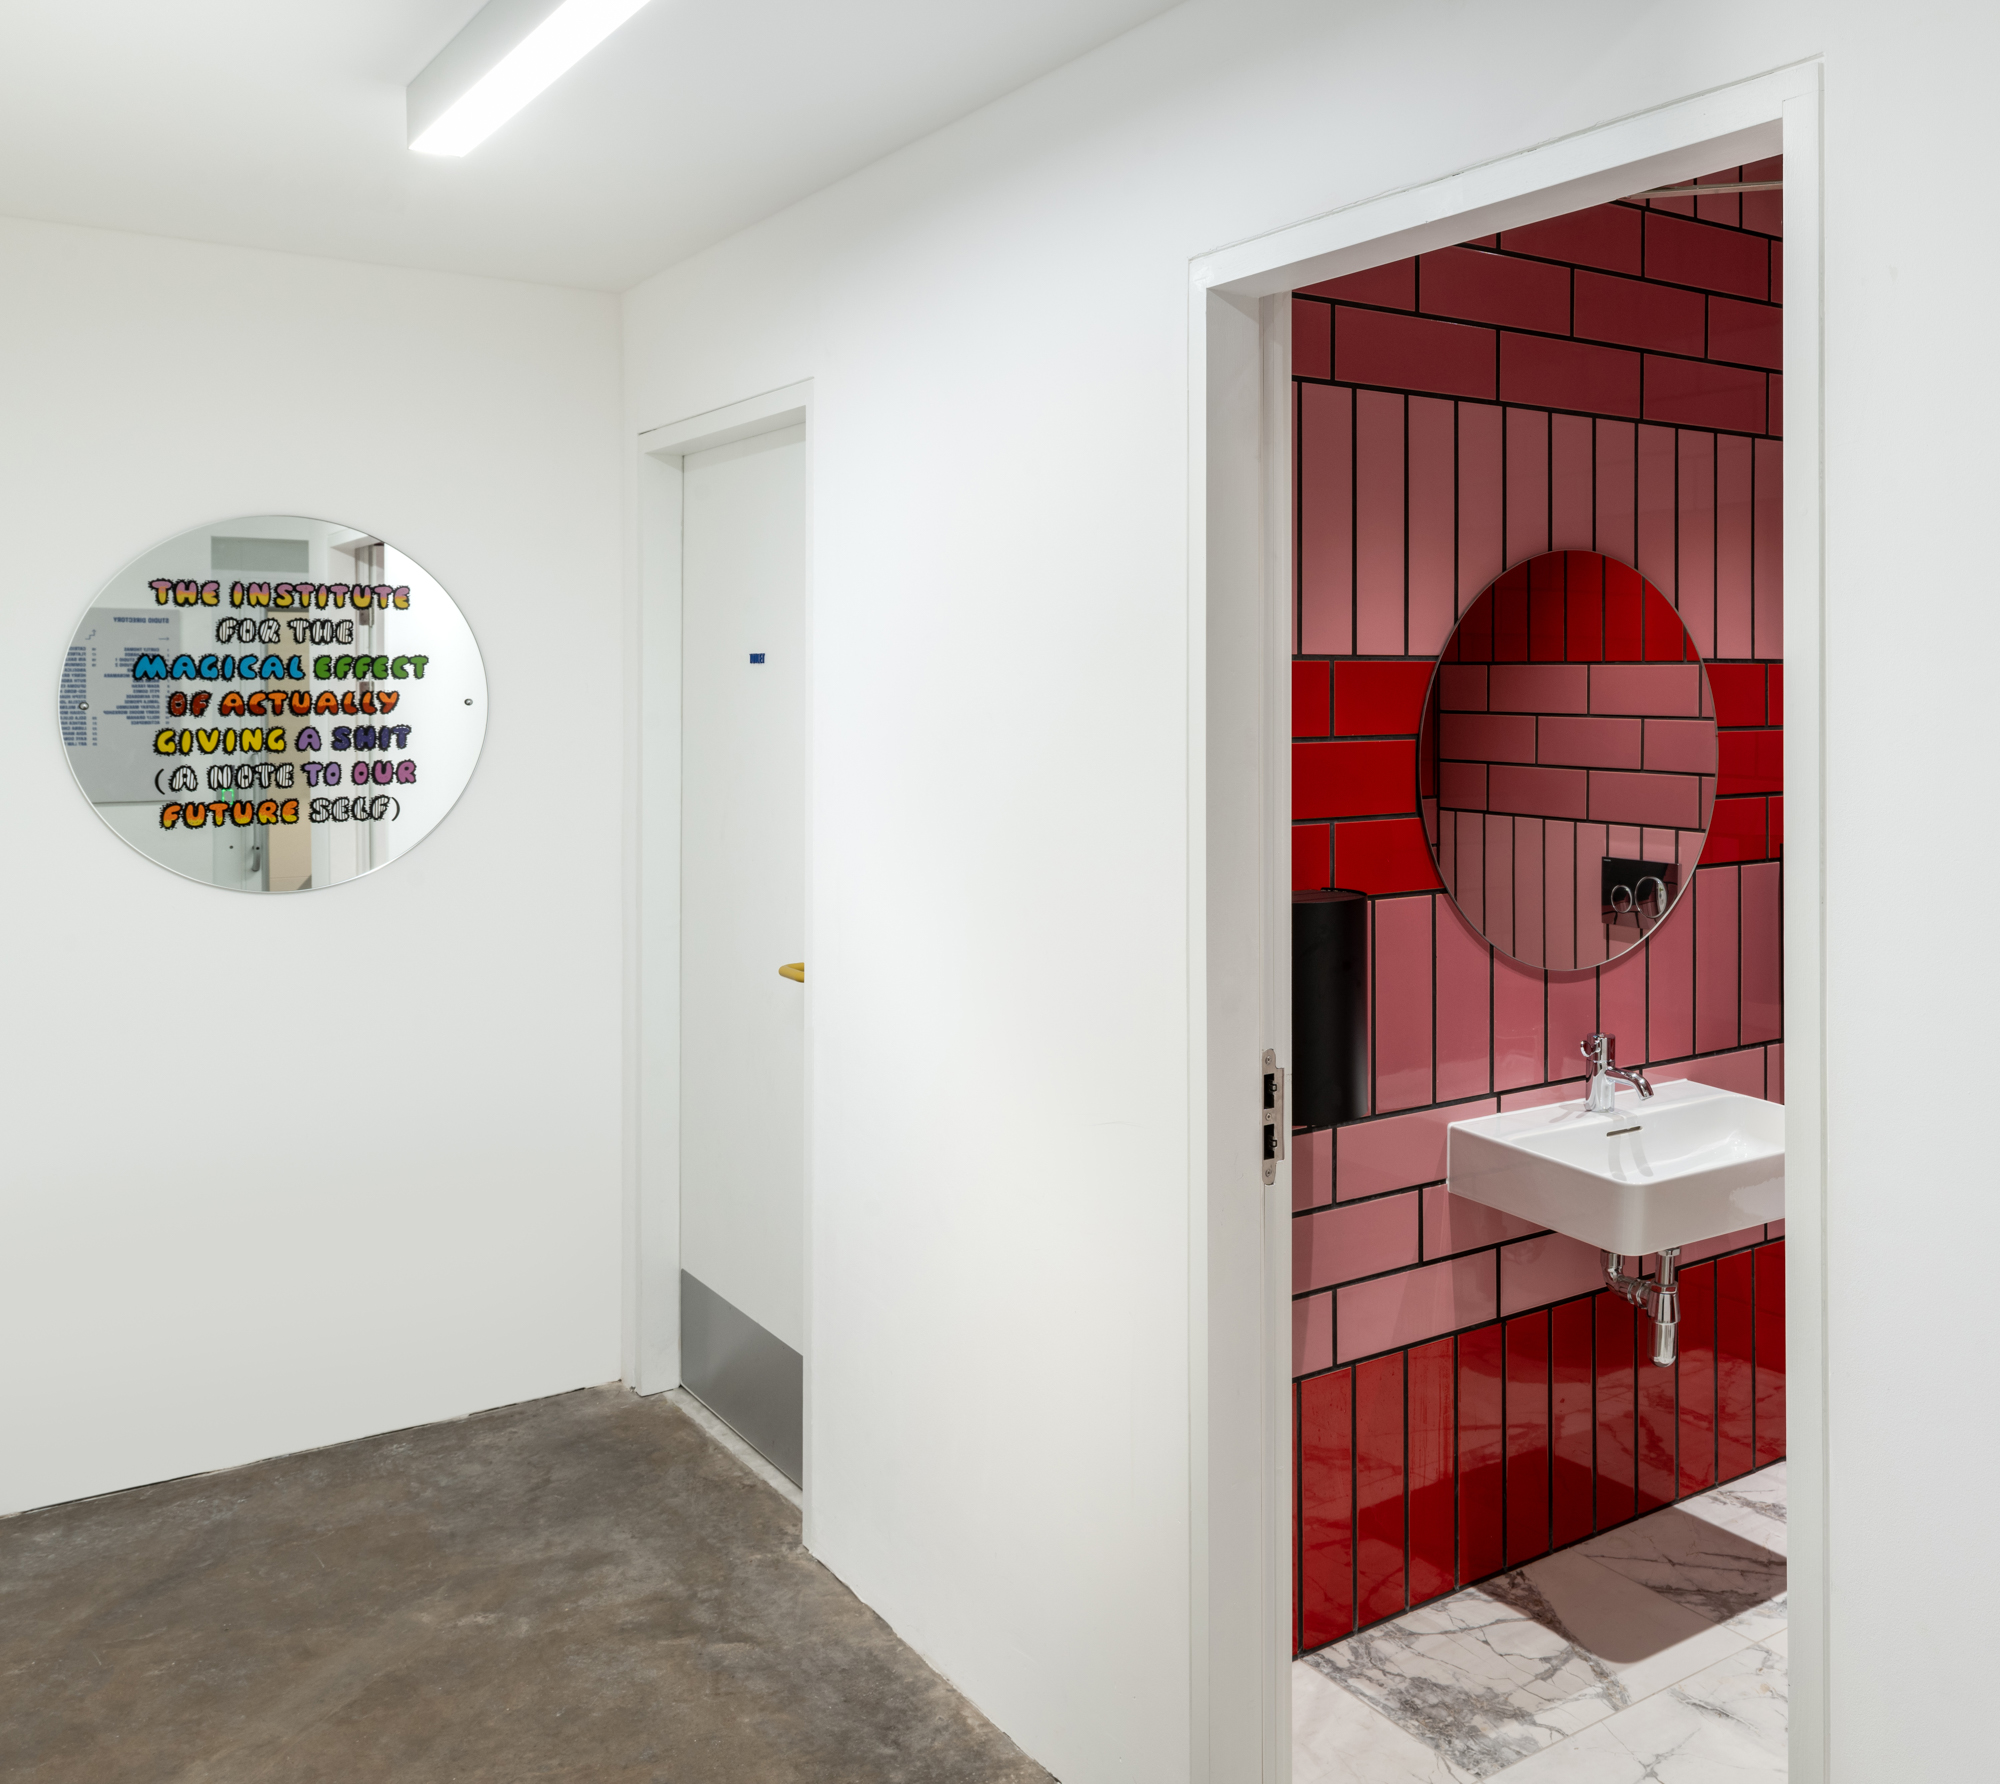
1609, 381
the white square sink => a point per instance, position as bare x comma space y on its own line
1687, 1163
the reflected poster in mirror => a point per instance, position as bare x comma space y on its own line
272, 704
1567, 760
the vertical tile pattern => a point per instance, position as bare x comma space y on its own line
1617, 1402
1433, 446
1464, 1007
1572, 1362
1571, 481
1432, 1468
1379, 524
1694, 511
1326, 520
1527, 483
1697, 1383
1480, 1454
1527, 1437
1656, 1425
1716, 1009
1434, 1443
1769, 1338
1378, 1488
1325, 1422
1402, 1026
1734, 1396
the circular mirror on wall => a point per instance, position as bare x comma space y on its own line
272, 704
1566, 764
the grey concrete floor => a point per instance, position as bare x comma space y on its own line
586, 1587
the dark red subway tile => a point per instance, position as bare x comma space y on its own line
1571, 1418
1734, 1447
1736, 832
1433, 1477
1326, 1508
1632, 313
1473, 641
1312, 339
1750, 334
1546, 614
1378, 1489
1379, 699
1312, 857
1769, 1335
1584, 640
1624, 614
1383, 855
1615, 1409
1478, 287
1351, 780
1697, 1370
1751, 762
1607, 235
1666, 637
1394, 286
1777, 807
1777, 694
1569, 375
1739, 693
1656, 1421
1693, 393
1412, 353
1685, 253
1527, 1437
1510, 616
1312, 700
1480, 1454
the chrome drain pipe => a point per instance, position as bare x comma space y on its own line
1657, 1295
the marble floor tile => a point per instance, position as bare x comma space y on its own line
1491, 1675
1708, 1567
1724, 1725
1638, 1640
1753, 1507
1338, 1739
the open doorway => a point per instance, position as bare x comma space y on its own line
1540, 487
1257, 354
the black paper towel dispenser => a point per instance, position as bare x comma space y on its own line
1329, 1008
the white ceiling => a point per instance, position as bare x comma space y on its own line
279, 123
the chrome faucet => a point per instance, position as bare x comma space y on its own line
1604, 1076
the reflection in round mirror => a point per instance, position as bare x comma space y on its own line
272, 704
1567, 760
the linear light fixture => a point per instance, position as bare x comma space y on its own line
509, 51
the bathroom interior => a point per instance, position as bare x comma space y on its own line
1537, 863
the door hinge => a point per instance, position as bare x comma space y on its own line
1274, 1115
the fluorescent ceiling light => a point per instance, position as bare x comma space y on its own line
477, 82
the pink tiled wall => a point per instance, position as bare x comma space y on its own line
1608, 381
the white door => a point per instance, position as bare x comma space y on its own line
743, 805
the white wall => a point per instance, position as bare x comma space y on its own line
283, 1171
995, 320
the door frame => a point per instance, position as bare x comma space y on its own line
1239, 897
652, 883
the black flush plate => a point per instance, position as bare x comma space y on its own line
1623, 873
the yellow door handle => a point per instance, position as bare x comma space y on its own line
797, 970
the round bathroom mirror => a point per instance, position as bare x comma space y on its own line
272, 704
1567, 760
